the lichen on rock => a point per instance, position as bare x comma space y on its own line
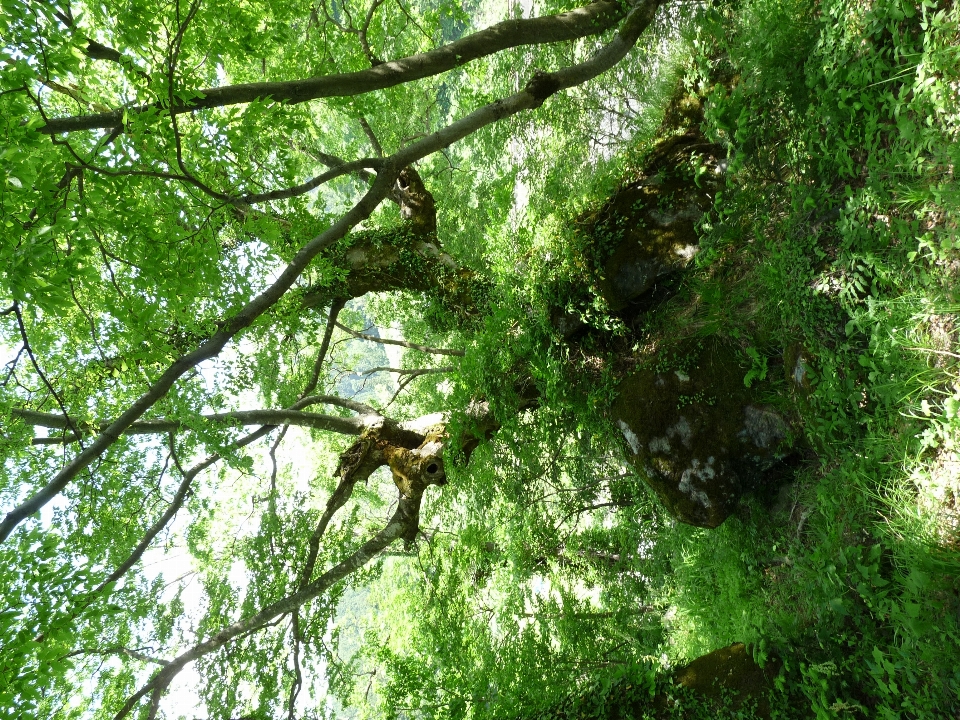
696, 433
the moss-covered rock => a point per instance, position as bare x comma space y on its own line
696, 433
725, 683
730, 677
651, 223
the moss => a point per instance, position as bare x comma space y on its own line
730, 677
696, 432
651, 223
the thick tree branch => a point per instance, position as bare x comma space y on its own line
332, 423
590, 20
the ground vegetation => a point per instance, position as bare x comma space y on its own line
481, 360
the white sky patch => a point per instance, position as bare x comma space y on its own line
394, 352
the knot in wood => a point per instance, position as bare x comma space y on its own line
414, 470
542, 85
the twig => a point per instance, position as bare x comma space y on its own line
371, 136
402, 343
68, 422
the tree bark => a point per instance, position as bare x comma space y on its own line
591, 19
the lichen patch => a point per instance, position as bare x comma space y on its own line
697, 471
632, 440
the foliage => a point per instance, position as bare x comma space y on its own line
547, 581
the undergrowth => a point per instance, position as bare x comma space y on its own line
831, 258
843, 125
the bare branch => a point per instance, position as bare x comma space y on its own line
402, 343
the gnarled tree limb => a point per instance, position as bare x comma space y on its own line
592, 19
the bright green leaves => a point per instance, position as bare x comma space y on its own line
839, 193
40, 621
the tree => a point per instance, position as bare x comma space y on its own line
237, 378
167, 265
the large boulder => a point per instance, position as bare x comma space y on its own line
731, 678
650, 224
696, 433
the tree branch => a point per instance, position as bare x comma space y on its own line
333, 423
337, 170
118, 650
68, 422
208, 349
540, 87
412, 371
590, 20
335, 309
402, 343
406, 514
362, 34
173, 508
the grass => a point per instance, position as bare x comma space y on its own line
841, 210
835, 240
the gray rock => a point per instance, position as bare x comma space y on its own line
696, 433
